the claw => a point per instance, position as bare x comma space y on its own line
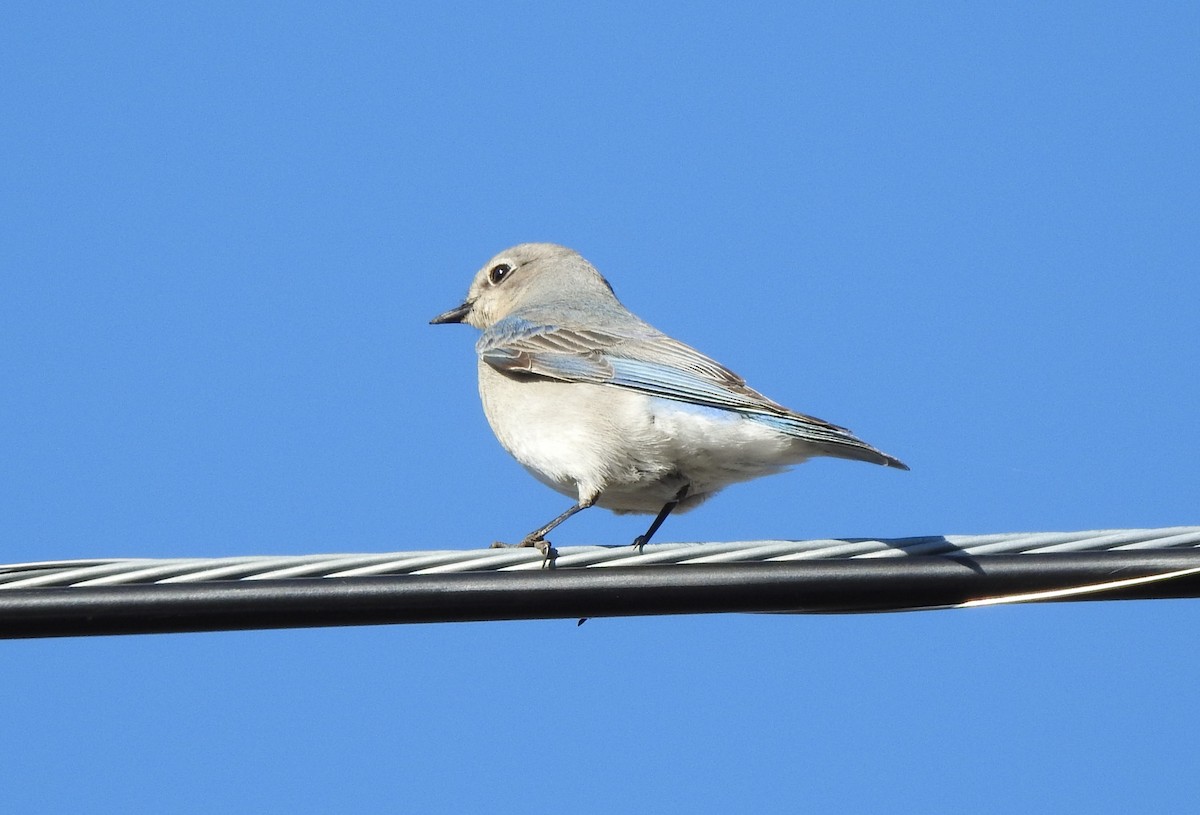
541, 544
548, 553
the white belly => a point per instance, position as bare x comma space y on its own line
633, 450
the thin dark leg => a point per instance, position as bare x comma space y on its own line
642, 540
539, 535
537, 538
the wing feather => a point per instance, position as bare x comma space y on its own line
653, 363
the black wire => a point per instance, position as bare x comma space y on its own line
815, 586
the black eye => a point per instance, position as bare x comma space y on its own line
498, 272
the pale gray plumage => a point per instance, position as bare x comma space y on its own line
603, 407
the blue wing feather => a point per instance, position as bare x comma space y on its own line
648, 361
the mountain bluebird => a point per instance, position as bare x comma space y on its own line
602, 407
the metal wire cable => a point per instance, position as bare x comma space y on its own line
146, 595
140, 571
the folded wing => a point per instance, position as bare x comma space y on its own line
651, 362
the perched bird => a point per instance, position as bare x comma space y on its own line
603, 407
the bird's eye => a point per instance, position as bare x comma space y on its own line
498, 272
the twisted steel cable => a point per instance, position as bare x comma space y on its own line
142, 595
129, 571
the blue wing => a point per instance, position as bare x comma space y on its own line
649, 361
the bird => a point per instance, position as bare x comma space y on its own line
602, 407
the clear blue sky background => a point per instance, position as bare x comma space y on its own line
970, 233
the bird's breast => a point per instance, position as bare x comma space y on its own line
578, 438
632, 449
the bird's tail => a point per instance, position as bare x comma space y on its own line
831, 440
858, 450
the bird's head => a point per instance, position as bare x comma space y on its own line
526, 276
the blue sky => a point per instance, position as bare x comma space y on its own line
969, 233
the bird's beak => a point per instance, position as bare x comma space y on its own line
454, 315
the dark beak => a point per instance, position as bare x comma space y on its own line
454, 315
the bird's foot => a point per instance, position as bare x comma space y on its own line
541, 544
639, 542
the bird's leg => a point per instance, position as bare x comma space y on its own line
537, 538
642, 540
539, 535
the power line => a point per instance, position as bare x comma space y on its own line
74, 598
